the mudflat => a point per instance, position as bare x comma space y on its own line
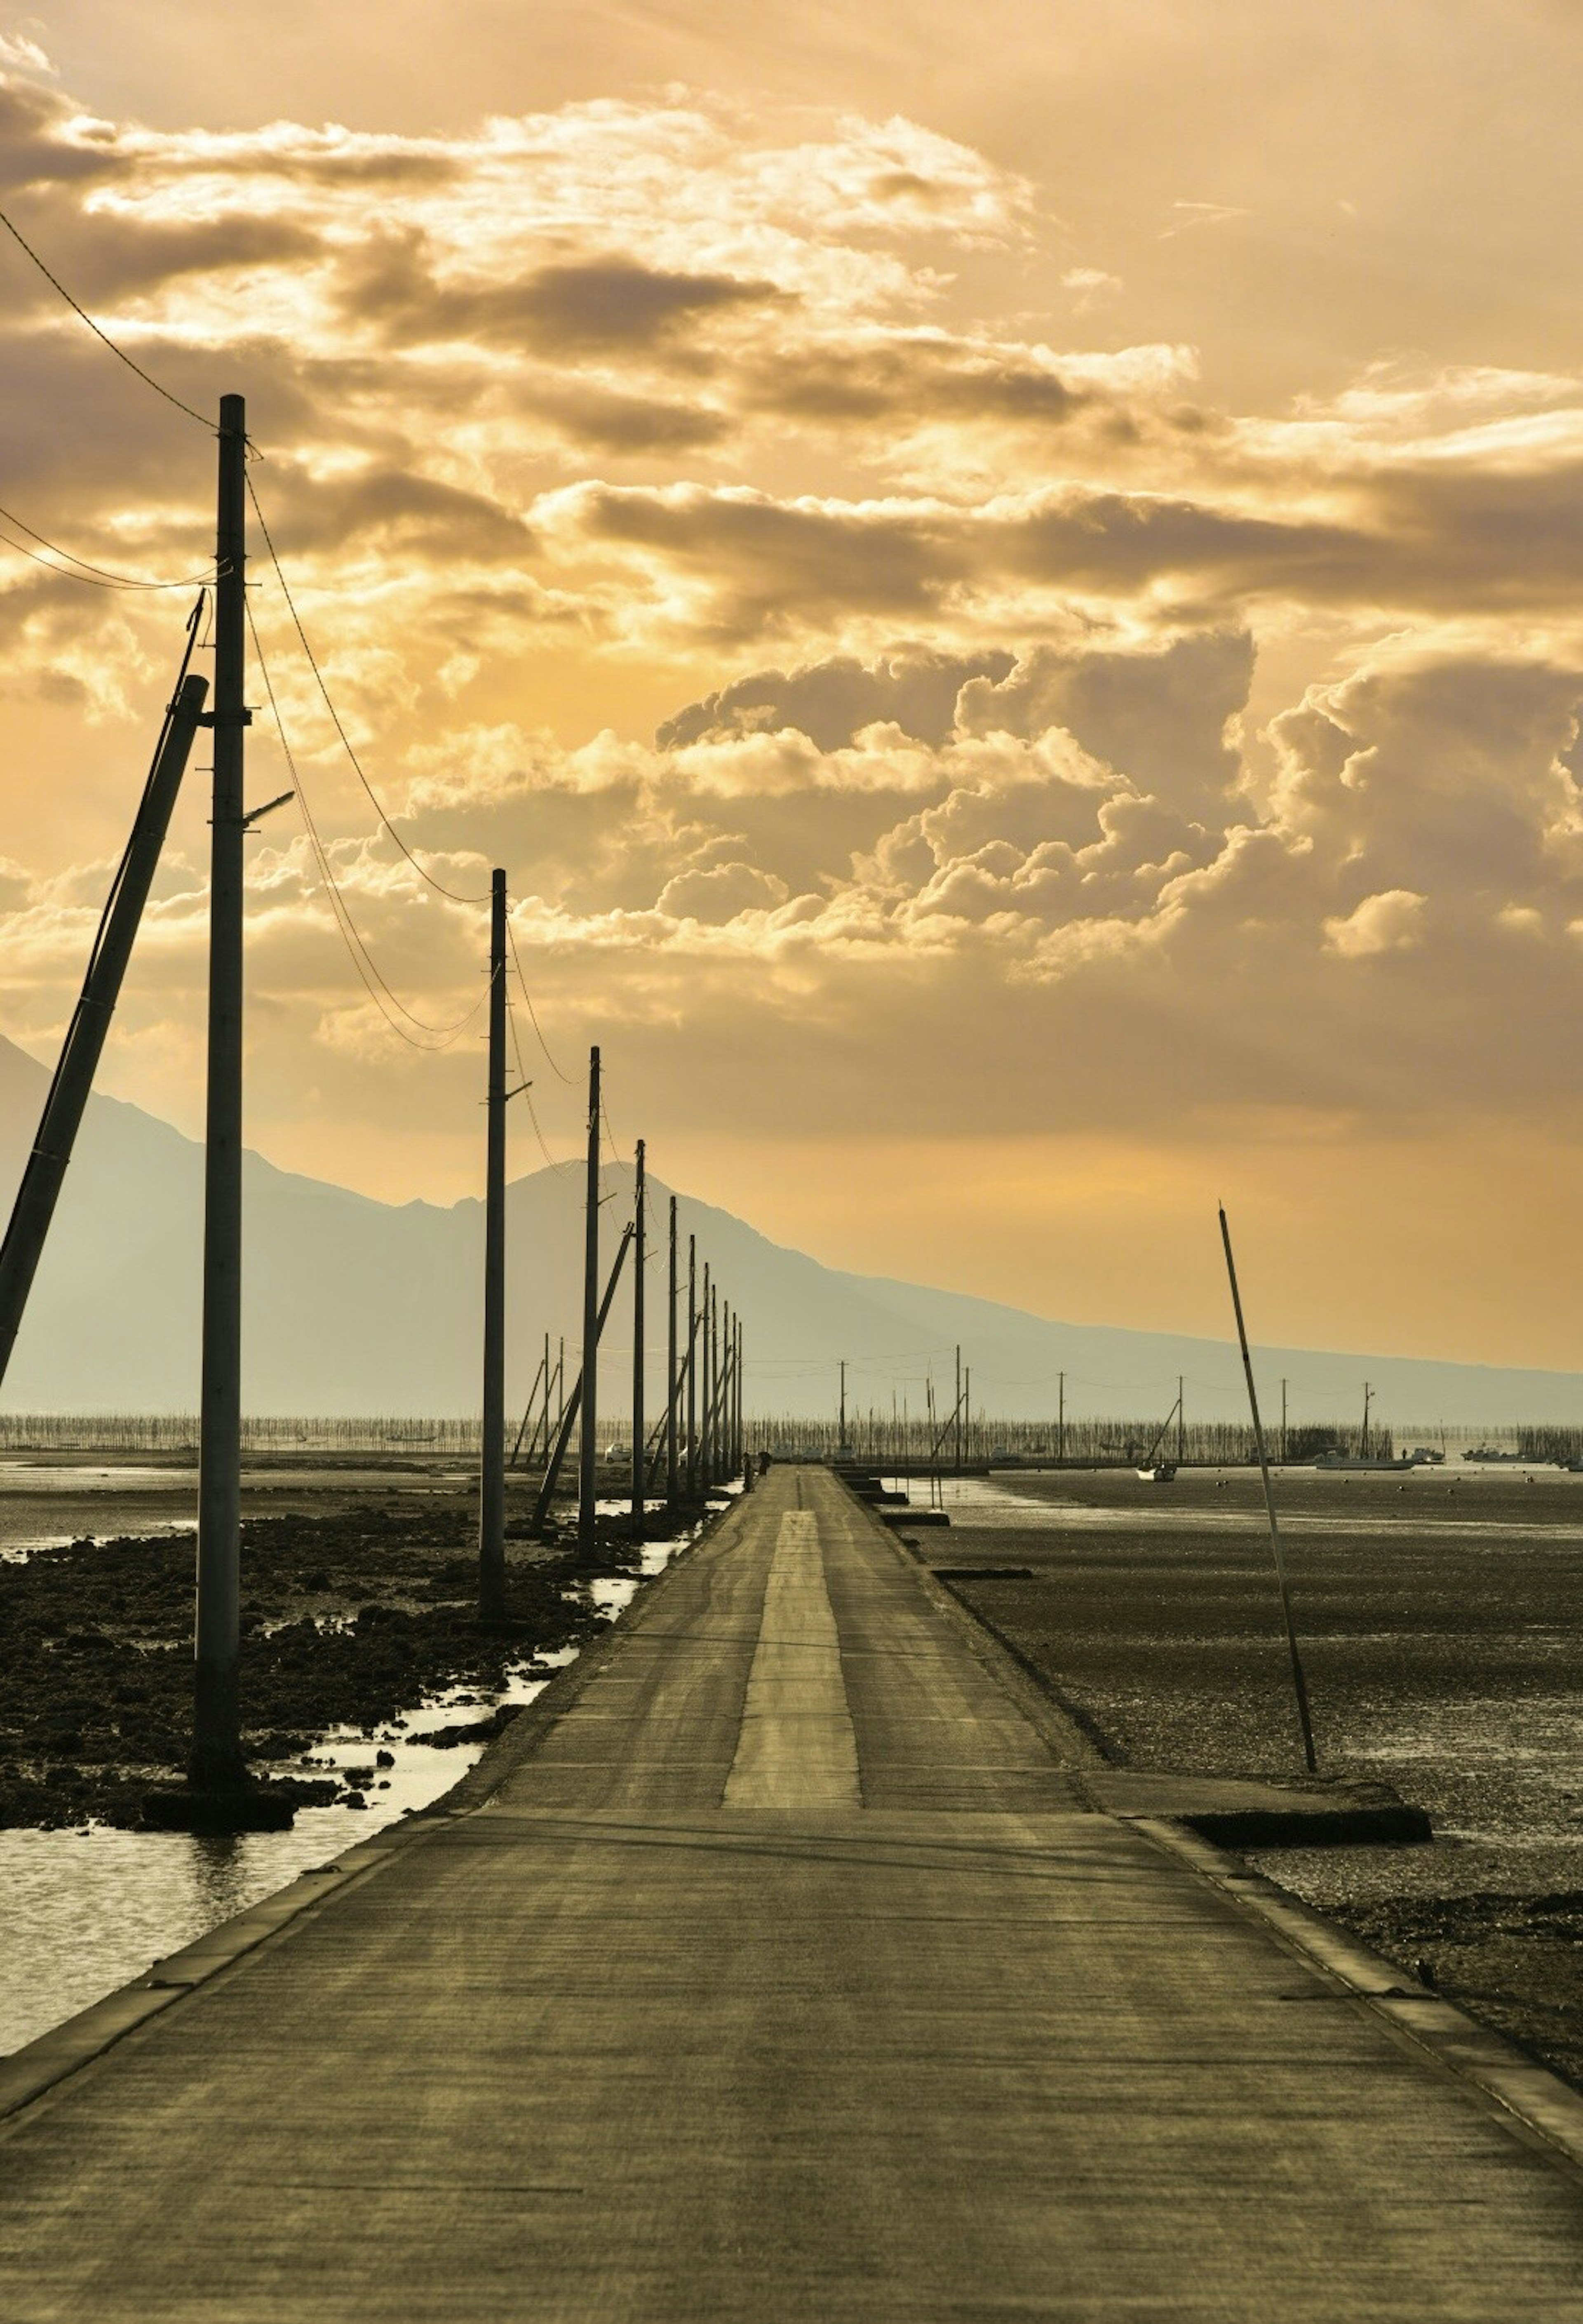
1439, 1621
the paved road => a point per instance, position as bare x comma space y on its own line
788, 1978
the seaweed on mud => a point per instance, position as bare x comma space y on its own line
349, 1619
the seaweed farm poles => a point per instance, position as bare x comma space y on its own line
588, 1419
491, 1470
217, 1762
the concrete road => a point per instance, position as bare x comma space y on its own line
787, 1977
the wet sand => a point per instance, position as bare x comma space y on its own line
1439, 1620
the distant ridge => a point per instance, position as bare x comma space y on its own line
354, 1306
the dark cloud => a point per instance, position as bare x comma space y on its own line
629, 426
314, 513
773, 562
913, 379
612, 306
833, 701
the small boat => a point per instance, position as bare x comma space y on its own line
1162, 1472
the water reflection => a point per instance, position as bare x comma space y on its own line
88, 1911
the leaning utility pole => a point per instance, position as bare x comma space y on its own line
492, 1475
42, 1180
639, 1441
217, 1762
588, 1477
692, 1368
673, 1384
1299, 1681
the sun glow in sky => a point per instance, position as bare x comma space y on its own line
1007, 590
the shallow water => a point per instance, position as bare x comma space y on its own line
84, 1912
982, 1503
46, 1504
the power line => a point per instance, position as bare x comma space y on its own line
120, 354
438, 885
533, 1013
362, 958
98, 575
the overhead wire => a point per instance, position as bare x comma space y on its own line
120, 354
533, 1013
98, 576
439, 1037
422, 871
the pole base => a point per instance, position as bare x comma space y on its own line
242, 1807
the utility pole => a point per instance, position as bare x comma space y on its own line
638, 1439
706, 1398
217, 1762
670, 1355
1061, 1426
966, 1410
1181, 1423
1283, 1424
79, 1052
492, 1478
741, 1445
1363, 1448
840, 1441
692, 1368
588, 1467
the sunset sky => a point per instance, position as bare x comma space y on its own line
1007, 583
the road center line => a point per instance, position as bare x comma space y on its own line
796, 1748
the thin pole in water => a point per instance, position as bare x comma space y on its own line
1299, 1686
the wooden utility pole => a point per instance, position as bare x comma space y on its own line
966, 1410
217, 1762
692, 1368
1181, 1423
1283, 1424
957, 1412
638, 1439
588, 1471
1363, 1447
1061, 1426
491, 1473
841, 1441
741, 1442
672, 1416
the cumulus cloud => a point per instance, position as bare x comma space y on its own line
1392, 921
681, 520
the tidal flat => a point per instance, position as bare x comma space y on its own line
368, 1684
359, 1602
1438, 1618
